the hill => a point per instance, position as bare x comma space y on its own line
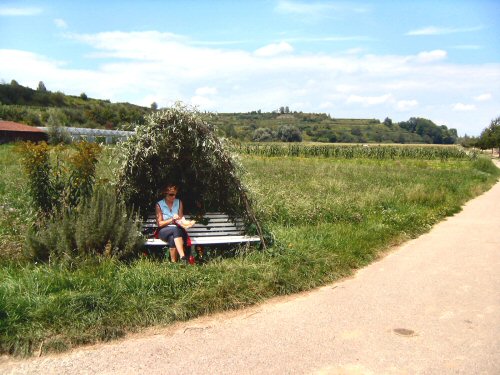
317, 127
39, 107
34, 107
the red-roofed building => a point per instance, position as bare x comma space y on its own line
13, 131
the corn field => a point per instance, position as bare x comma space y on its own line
356, 151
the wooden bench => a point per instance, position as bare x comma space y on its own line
220, 229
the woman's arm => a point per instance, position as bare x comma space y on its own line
159, 218
181, 210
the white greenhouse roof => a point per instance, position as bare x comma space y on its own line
94, 132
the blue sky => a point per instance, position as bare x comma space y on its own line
352, 59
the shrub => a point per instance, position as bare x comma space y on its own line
288, 133
63, 180
99, 226
36, 162
263, 135
56, 127
485, 165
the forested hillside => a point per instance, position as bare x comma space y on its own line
35, 107
42, 107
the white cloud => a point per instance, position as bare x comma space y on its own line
461, 107
19, 11
369, 100
406, 105
202, 102
483, 97
430, 56
202, 91
142, 67
60, 23
354, 51
303, 8
318, 9
345, 88
274, 49
331, 38
326, 105
435, 30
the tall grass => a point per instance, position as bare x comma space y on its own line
16, 212
356, 151
328, 216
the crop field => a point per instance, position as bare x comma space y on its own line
346, 151
329, 215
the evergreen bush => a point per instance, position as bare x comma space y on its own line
100, 226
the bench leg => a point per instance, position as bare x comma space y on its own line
199, 252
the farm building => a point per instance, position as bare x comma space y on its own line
13, 131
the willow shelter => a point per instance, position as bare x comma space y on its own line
177, 145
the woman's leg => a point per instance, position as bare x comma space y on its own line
173, 255
179, 242
178, 249
168, 235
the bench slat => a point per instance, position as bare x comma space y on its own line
209, 241
215, 234
213, 222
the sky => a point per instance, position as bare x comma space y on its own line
351, 59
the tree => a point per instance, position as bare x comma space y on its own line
490, 137
429, 131
263, 135
288, 133
388, 122
41, 87
56, 127
154, 106
14, 83
356, 132
231, 131
83, 96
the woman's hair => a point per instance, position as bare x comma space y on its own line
170, 186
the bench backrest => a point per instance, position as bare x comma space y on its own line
219, 224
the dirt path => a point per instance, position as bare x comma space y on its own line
430, 307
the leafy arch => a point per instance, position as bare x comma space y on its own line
178, 145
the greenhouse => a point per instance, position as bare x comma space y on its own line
96, 135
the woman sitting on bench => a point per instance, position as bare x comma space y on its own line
168, 210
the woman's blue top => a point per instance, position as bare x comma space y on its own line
167, 212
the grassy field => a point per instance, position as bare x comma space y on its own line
329, 216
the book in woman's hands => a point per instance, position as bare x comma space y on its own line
185, 223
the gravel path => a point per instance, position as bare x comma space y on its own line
431, 306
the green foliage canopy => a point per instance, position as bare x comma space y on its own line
177, 145
490, 137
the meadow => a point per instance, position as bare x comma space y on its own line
328, 216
